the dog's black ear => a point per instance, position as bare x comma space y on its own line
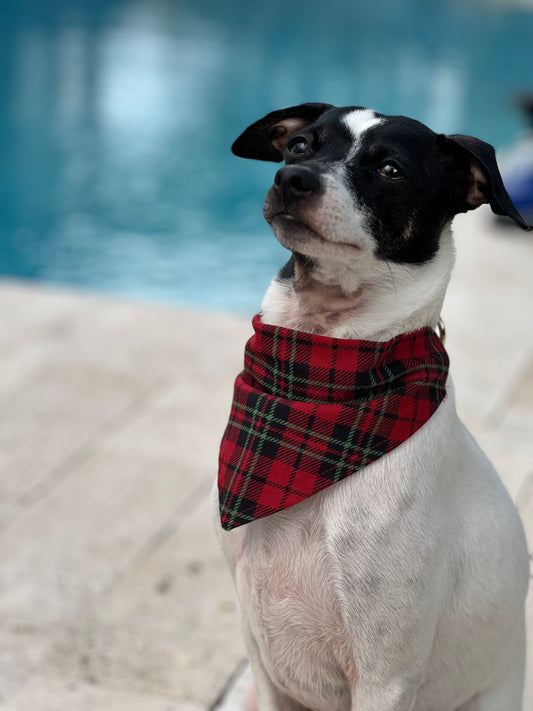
484, 183
266, 139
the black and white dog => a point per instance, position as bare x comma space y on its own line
413, 576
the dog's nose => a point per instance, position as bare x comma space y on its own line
295, 182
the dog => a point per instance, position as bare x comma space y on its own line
402, 586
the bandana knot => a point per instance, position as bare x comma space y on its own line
310, 410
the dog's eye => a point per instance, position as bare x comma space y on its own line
390, 170
299, 146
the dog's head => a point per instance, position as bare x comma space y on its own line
360, 189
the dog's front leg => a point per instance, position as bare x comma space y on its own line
390, 651
267, 697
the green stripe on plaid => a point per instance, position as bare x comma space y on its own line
334, 462
272, 376
261, 436
251, 433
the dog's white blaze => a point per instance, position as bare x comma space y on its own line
359, 121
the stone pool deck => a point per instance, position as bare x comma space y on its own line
113, 595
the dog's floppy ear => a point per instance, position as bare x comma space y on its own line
484, 182
266, 139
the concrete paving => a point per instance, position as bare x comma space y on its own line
113, 594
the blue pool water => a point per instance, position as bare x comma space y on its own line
116, 119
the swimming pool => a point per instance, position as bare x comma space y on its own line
117, 118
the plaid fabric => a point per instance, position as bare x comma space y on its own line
309, 411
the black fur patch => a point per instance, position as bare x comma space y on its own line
406, 215
286, 273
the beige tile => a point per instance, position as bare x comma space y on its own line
186, 418
61, 411
122, 335
482, 367
23, 651
59, 694
487, 310
37, 325
171, 625
491, 289
30, 307
60, 557
74, 543
48, 328
518, 401
143, 395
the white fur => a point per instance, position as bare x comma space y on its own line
378, 316
402, 587
359, 121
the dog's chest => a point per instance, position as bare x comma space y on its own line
310, 578
286, 575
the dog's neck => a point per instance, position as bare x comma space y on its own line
374, 301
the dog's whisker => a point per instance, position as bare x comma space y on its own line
391, 274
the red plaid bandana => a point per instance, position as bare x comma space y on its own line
310, 410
